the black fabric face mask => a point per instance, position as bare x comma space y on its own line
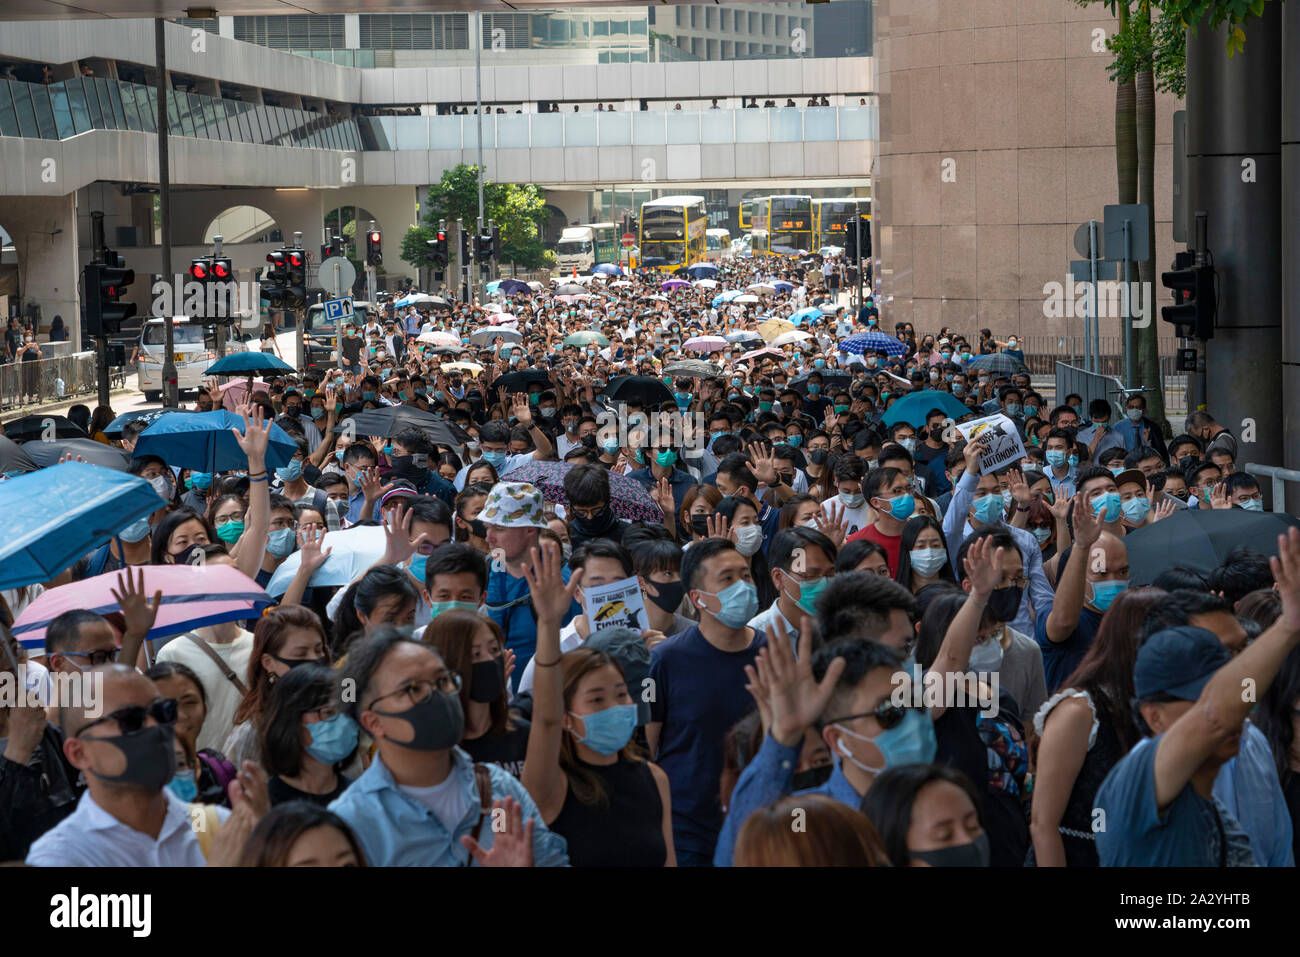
411, 467
975, 854
670, 594
813, 777
487, 679
1004, 603
438, 722
595, 527
700, 524
150, 757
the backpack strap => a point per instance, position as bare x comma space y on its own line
483, 782
216, 659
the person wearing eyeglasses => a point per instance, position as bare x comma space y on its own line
121, 739
77, 640
423, 801
859, 697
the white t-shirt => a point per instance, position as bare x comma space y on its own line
569, 639
853, 519
223, 696
448, 800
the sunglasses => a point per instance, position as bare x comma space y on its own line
887, 713
132, 718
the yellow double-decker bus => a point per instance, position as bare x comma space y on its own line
783, 225
673, 232
831, 218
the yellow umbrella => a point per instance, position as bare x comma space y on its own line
471, 368
769, 329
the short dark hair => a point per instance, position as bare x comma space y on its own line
1178, 579
790, 542
889, 807
430, 510
586, 486
698, 554
63, 632
415, 441
1242, 572
848, 468
1001, 539
857, 604
879, 479
1238, 481
364, 658
736, 467
358, 451
860, 659
601, 548
651, 555
1177, 607
455, 559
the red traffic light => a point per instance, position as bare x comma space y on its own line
442, 236
199, 270
275, 259
374, 237
221, 270
296, 259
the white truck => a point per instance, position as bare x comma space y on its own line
585, 247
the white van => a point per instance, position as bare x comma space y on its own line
191, 353
718, 243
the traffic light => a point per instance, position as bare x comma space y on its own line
1196, 303
851, 240
333, 248
465, 247
295, 292
223, 296
276, 279
438, 248
374, 248
496, 241
104, 285
483, 247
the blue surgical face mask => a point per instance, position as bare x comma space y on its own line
739, 604
666, 459
911, 741
494, 458
139, 529
291, 472
1073, 461
813, 388
902, 506
1013, 408
1107, 507
1056, 457
280, 543
988, 508
184, 786
339, 453
416, 565
333, 739
1103, 593
794, 441
1136, 509
610, 446
367, 395
1253, 505
607, 731
200, 480
438, 607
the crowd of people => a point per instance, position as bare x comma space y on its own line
832, 614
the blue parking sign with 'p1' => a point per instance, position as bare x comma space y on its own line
338, 310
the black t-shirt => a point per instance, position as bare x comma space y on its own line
352, 349
506, 750
280, 792
924, 454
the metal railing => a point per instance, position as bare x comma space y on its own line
1042, 353
1089, 385
48, 380
1280, 477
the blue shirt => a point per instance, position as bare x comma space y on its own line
1137, 834
396, 831
355, 503
1060, 658
510, 606
1248, 787
699, 695
768, 778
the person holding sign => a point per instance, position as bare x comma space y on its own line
977, 503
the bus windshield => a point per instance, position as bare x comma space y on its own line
573, 247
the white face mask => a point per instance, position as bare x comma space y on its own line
749, 539
987, 655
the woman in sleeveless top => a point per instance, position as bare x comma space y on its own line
1083, 730
591, 783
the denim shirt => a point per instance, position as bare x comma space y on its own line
396, 831
767, 778
1248, 787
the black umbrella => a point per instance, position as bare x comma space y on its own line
520, 380
448, 350
45, 454
390, 420
998, 362
1200, 539
643, 389
31, 427
514, 287
13, 458
831, 379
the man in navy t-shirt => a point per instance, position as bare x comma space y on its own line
698, 684
1096, 572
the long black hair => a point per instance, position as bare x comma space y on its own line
758, 566
303, 689
893, 794
911, 532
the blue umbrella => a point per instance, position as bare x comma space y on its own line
203, 441
492, 286
745, 335
782, 286
912, 408
800, 317
860, 342
607, 269
248, 364
514, 287
702, 271
998, 362
55, 516
727, 296
149, 416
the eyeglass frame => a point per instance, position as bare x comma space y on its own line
450, 676
156, 709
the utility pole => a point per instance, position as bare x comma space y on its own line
478, 100
170, 394
101, 340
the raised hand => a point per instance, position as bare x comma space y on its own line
138, 612
761, 693
1286, 577
1059, 507
1163, 509
520, 410
662, 495
509, 663
397, 535
762, 464
795, 697
372, 486
312, 556
1219, 496
971, 453
1019, 488
512, 847
830, 522
983, 565
253, 440
1087, 524
718, 526
551, 596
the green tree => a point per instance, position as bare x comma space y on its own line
517, 210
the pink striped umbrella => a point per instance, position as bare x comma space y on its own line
192, 596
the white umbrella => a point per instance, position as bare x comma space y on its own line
439, 338
761, 287
706, 283
484, 336
791, 338
620, 283
535, 286
352, 551
746, 300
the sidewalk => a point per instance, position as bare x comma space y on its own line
62, 405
